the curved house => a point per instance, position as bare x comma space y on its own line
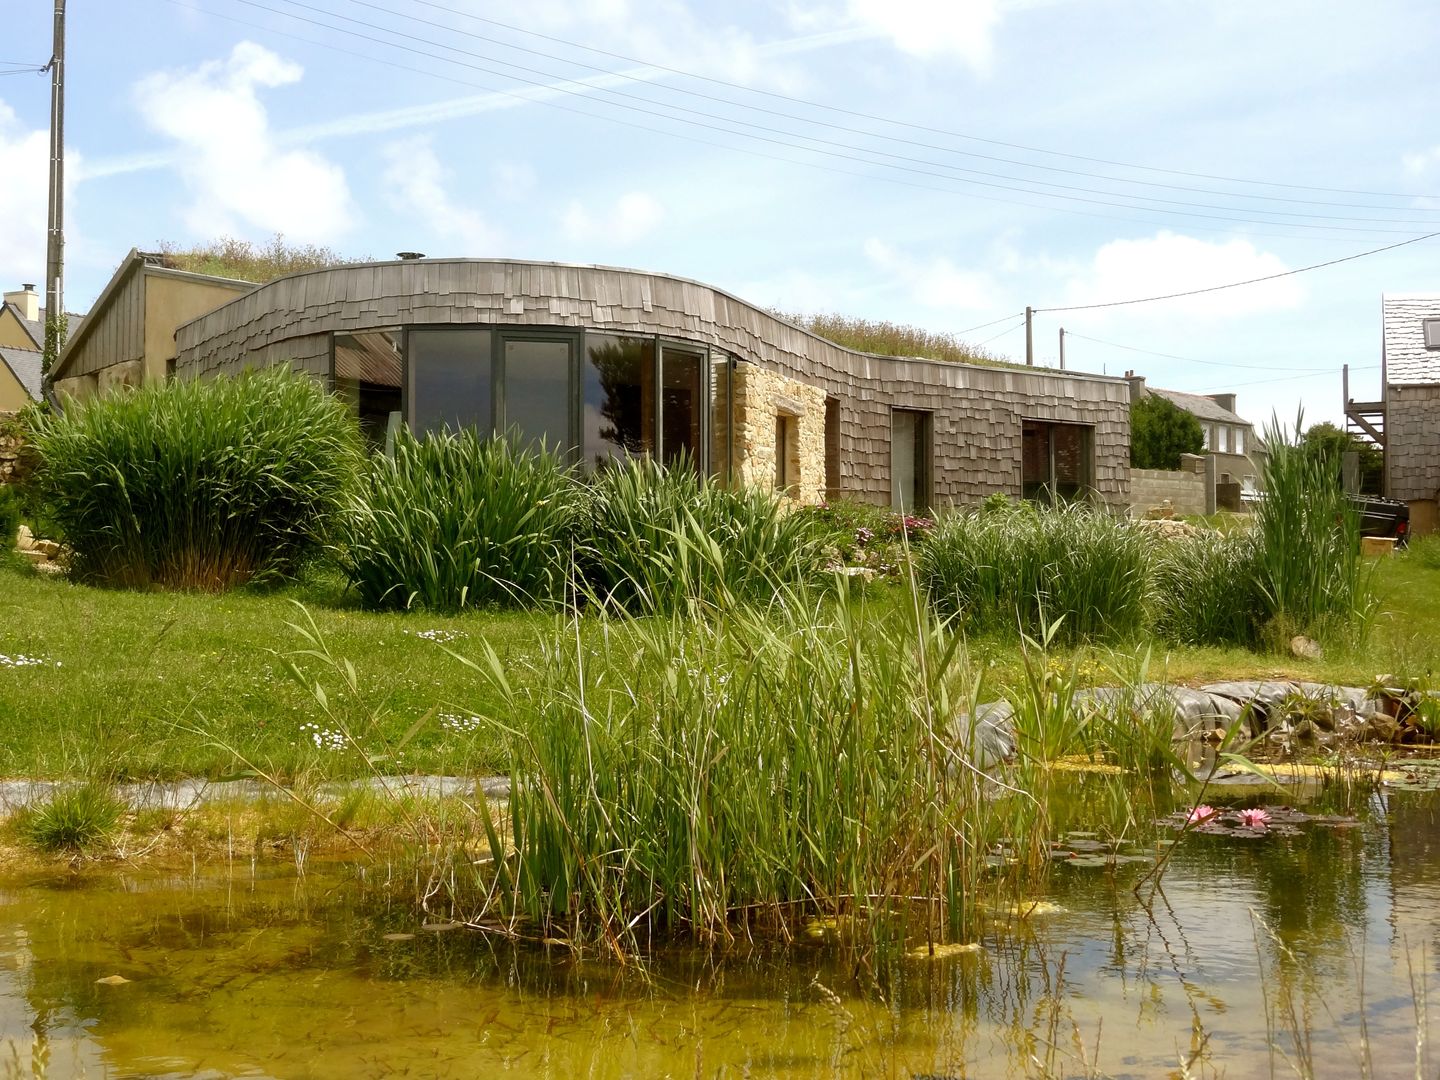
609, 362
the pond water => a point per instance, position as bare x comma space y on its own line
1302, 954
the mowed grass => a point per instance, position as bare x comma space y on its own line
140, 684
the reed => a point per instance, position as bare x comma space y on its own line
196, 484
1205, 589
1022, 568
453, 521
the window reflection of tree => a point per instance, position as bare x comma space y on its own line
619, 366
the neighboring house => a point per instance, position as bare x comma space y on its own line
19, 377
22, 320
610, 362
1405, 422
128, 338
1229, 438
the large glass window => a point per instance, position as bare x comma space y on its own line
909, 460
449, 379
619, 400
368, 374
536, 390
682, 404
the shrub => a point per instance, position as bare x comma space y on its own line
1005, 570
1160, 431
9, 518
197, 485
663, 538
862, 534
73, 818
454, 521
1205, 589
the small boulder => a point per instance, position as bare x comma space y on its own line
1304, 648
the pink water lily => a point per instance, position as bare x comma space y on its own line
1200, 814
1257, 818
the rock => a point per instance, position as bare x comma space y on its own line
26, 540
1166, 529
1304, 648
49, 548
1163, 512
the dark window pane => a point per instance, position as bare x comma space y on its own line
450, 379
368, 375
909, 459
537, 392
682, 383
619, 402
1055, 460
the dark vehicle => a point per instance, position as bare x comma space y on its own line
1383, 517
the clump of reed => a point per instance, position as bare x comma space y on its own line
1205, 589
74, 818
454, 521
196, 484
1022, 568
696, 776
662, 539
1308, 538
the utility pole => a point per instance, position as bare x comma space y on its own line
1029, 335
55, 230
1062, 348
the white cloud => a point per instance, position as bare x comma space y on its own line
635, 215
24, 163
239, 177
417, 180
935, 281
932, 29
514, 180
1423, 162
1171, 263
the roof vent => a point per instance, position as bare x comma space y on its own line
409, 256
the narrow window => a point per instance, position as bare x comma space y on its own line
832, 448
909, 459
787, 453
682, 405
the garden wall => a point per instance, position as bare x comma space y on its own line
1188, 488
14, 464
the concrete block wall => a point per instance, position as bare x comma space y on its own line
1186, 488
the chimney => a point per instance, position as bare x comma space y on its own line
1137, 386
27, 300
409, 256
1225, 401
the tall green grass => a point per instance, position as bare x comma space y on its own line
9, 517
196, 484
665, 539
1309, 536
1205, 590
1021, 569
454, 521
683, 775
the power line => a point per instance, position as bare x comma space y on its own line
912, 126
813, 121
1185, 359
787, 136
1292, 378
1002, 333
1237, 284
992, 322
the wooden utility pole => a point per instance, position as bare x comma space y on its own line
1062, 348
1030, 335
55, 234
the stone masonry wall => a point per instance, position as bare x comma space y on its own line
760, 397
15, 464
1184, 487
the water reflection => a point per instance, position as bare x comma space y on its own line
260, 974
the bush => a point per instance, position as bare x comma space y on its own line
9, 518
454, 521
1024, 567
1205, 590
197, 485
662, 538
1160, 431
861, 534
73, 818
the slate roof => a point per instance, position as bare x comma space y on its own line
1402, 319
25, 365
36, 327
1200, 406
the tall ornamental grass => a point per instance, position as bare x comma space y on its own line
1021, 569
665, 539
697, 776
454, 521
1206, 590
197, 484
1308, 567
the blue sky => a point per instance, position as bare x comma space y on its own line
836, 161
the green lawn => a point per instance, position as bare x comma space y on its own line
164, 684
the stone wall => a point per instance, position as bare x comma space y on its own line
761, 397
15, 463
1185, 488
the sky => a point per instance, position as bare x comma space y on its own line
941, 163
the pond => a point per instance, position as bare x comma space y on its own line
1308, 953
